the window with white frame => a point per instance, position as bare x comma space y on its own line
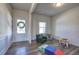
42, 27
20, 26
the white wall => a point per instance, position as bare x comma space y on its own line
5, 27
24, 15
35, 25
67, 25
53, 25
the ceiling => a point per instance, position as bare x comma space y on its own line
21, 6
46, 9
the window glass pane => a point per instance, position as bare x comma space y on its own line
42, 24
42, 27
20, 26
41, 30
20, 30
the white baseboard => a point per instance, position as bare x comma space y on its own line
18, 41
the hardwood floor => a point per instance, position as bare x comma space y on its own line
23, 48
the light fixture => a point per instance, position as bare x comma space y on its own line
56, 4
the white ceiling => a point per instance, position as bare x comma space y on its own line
21, 6
46, 9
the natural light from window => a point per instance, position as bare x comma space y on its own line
42, 27
20, 26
